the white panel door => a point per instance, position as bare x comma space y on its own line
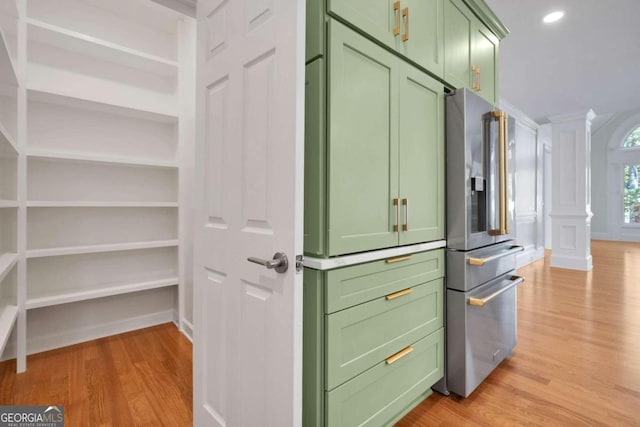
249, 172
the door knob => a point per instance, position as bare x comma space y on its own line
280, 263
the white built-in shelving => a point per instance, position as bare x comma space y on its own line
101, 49
8, 315
9, 8
40, 88
91, 249
56, 298
100, 204
7, 261
7, 144
8, 76
8, 174
81, 157
93, 209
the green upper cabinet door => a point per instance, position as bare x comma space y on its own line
458, 27
414, 28
377, 18
484, 56
421, 157
470, 52
363, 143
422, 36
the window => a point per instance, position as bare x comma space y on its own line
633, 140
631, 192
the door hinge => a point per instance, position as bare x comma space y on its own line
299, 263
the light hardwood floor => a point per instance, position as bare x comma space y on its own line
577, 362
139, 378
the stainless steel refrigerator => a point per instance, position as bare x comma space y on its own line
481, 318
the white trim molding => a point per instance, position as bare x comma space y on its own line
571, 170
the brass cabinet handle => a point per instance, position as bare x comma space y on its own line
396, 203
398, 259
476, 78
399, 355
479, 78
396, 9
398, 294
405, 15
405, 203
473, 77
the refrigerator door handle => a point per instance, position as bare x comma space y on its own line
481, 302
503, 172
483, 261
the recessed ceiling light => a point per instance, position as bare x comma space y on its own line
553, 17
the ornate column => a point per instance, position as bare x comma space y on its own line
571, 194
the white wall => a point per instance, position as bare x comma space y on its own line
528, 186
606, 177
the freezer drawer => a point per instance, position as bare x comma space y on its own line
467, 270
481, 331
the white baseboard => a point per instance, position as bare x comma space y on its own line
65, 338
572, 263
600, 236
529, 255
187, 329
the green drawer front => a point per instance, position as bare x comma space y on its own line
350, 286
377, 396
362, 336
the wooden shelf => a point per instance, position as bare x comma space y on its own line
7, 261
91, 46
54, 95
82, 204
8, 203
8, 314
91, 249
56, 298
8, 74
7, 143
90, 158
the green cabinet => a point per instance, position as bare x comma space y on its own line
381, 395
484, 56
470, 51
421, 157
413, 28
362, 150
361, 336
373, 342
384, 146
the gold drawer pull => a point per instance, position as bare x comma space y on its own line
399, 355
397, 259
398, 294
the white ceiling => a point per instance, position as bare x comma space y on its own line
589, 59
